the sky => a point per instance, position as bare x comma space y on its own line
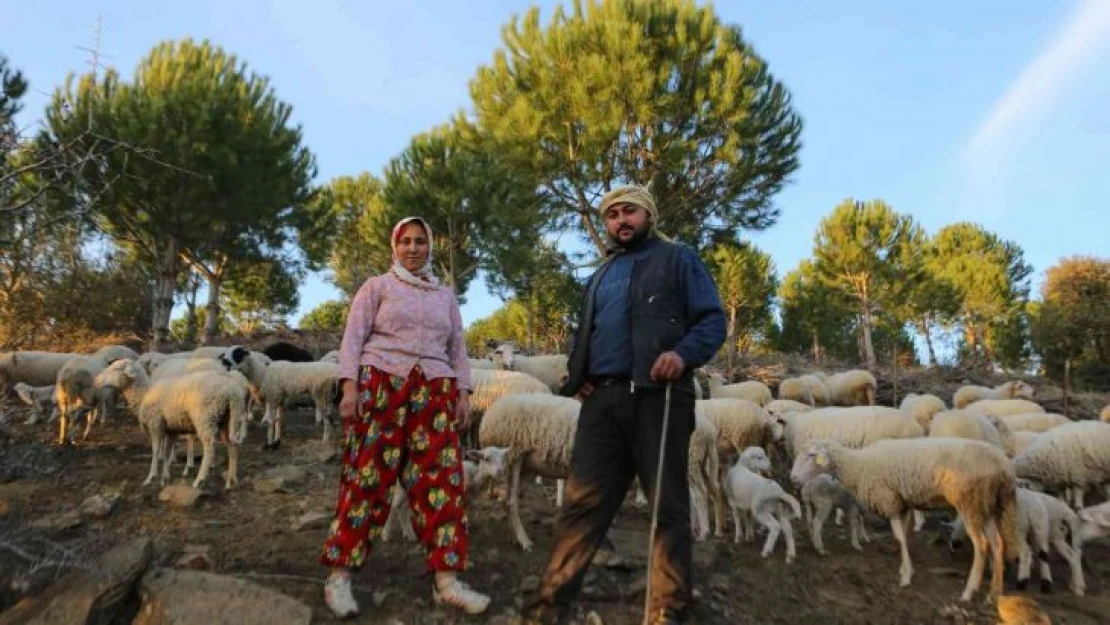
992, 111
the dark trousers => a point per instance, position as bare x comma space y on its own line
617, 439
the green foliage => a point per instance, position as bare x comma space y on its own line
179, 331
746, 283
872, 254
815, 318
12, 88
1073, 321
329, 315
990, 279
628, 91
262, 293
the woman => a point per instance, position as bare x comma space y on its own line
406, 385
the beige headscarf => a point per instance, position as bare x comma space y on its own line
634, 194
424, 277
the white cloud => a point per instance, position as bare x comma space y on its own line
1082, 36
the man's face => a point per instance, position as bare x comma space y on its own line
627, 224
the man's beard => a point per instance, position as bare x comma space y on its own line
638, 236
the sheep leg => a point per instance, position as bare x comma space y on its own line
815, 525
918, 521
1075, 562
560, 492
1078, 493
209, 449
898, 524
1025, 559
232, 465
862, 526
773, 529
998, 562
156, 443
514, 506
735, 523
63, 417
788, 534
839, 517
718, 511
189, 440
979, 561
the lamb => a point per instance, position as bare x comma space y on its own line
854, 427
538, 431
551, 369
1035, 421
75, 388
1004, 407
1075, 455
808, 389
289, 352
39, 398
1042, 519
893, 477
855, 387
820, 495
207, 404
780, 407
751, 390
922, 407
34, 368
332, 356
1014, 389
1094, 522
767, 502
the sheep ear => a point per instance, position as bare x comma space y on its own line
475, 454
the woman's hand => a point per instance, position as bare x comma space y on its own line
462, 410
349, 403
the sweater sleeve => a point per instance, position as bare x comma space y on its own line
456, 349
360, 322
703, 308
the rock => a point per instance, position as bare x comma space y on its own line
180, 495
593, 618
280, 479
93, 596
57, 522
99, 506
195, 557
530, 583
176, 597
312, 521
379, 597
720, 583
316, 452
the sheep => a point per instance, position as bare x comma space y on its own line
208, 351
151, 360
922, 407
207, 404
538, 431
854, 427
288, 352
1004, 407
1094, 521
1042, 519
332, 356
1075, 455
75, 388
751, 390
284, 380
39, 398
767, 502
780, 407
1014, 389
175, 367
808, 389
481, 363
1035, 421
855, 387
893, 477
34, 368
963, 424
549, 369
703, 469
1020, 440
491, 385
474, 474
820, 495
1104, 416
112, 353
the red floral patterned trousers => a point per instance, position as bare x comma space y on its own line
405, 427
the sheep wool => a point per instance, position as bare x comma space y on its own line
1075, 455
1035, 421
855, 387
34, 368
922, 407
1003, 407
549, 369
968, 394
854, 427
752, 390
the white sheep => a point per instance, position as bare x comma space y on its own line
703, 468
968, 394
39, 398
286, 380
1094, 522
538, 431
779, 407
963, 424
1042, 520
482, 363
766, 501
752, 390
75, 388
1004, 407
854, 427
549, 369
1035, 421
332, 356
894, 477
206, 404
112, 353
855, 387
820, 495
30, 367
922, 407
1075, 455
1020, 440
152, 360
808, 389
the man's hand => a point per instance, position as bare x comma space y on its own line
669, 366
584, 391
462, 410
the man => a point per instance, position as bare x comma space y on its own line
651, 315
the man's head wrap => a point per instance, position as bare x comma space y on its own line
633, 194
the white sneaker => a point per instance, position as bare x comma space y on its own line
338, 597
459, 595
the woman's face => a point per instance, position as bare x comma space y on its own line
412, 246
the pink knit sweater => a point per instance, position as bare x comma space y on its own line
395, 326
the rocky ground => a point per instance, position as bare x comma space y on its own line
60, 508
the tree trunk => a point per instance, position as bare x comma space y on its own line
215, 282
816, 347
531, 321
868, 348
163, 296
730, 353
191, 309
923, 325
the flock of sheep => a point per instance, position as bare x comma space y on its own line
1015, 475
